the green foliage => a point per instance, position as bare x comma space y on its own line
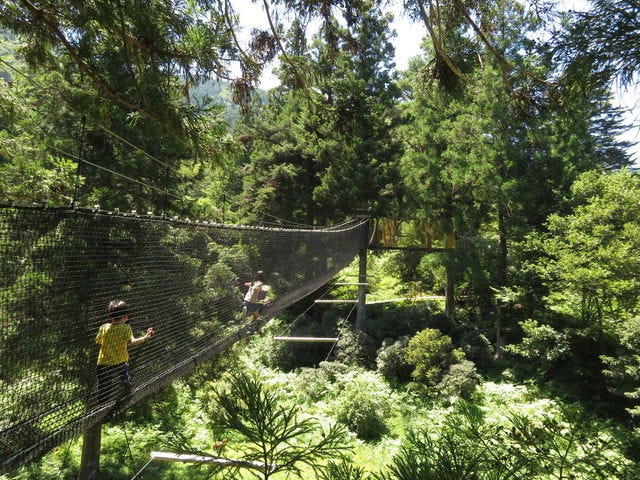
623, 369
539, 447
355, 348
590, 269
50, 181
391, 361
316, 383
460, 380
272, 433
131, 57
542, 343
593, 274
364, 404
359, 399
431, 353
343, 471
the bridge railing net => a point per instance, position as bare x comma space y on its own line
61, 268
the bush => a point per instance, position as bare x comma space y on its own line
542, 343
363, 405
391, 361
542, 445
344, 470
477, 348
395, 320
313, 382
461, 380
431, 353
355, 348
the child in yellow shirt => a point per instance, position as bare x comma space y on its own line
114, 339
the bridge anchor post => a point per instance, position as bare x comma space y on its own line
361, 313
90, 461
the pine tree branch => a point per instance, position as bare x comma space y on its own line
436, 41
102, 86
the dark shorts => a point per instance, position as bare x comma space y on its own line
109, 381
253, 307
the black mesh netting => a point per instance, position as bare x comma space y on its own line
60, 268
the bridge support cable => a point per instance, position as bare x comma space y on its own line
60, 268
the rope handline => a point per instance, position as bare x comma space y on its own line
140, 471
147, 154
288, 222
175, 220
126, 438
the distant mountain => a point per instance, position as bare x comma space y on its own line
218, 92
8, 46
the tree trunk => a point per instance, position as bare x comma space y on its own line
449, 293
499, 339
501, 276
362, 290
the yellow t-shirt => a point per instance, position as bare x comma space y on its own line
113, 341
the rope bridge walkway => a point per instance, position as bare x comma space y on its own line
60, 269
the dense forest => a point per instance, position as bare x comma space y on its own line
502, 334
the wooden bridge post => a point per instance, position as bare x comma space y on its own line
90, 461
362, 289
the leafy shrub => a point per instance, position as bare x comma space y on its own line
387, 320
431, 353
344, 470
547, 446
391, 361
477, 348
363, 404
461, 379
355, 348
314, 382
335, 370
542, 343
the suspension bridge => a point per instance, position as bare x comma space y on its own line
60, 269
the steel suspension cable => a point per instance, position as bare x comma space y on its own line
333, 346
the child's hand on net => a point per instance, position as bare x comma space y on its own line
150, 332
